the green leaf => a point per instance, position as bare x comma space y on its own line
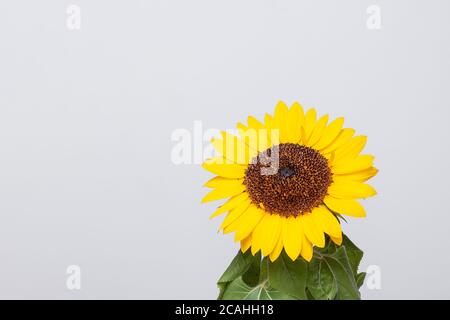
342, 272
263, 276
354, 254
329, 248
321, 281
222, 287
251, 276
333, 271
239, 290
288, 276
240, 265
360, 279
309, 295
270, 293
237, 267
331, 274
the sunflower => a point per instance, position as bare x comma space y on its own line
287, 181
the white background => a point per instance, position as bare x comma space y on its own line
86, 119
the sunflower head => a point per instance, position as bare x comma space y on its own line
287, 180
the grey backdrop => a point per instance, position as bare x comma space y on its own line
86, 119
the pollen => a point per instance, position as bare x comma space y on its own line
299, 183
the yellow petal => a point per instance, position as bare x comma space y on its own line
227, 170
313, 232
230, 204
337, 240
255, 247
277, 250
235, 225
348, 207
221, 147
268, 121
227, 190
274, 137
318, 130
344, 136
266, 234
255, 136
246, 223
253, 123
330, 133
241, 127
272, 237
292, 236
234, 214
308, 126
246, 243
273, 133
360, 176
251, 139
294, 123
307, 250
280, 120
351, 189
351, 149
258, 139
263, 140
330, 224
236, 150
217, 182
360, 163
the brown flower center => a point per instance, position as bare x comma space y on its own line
297, 185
